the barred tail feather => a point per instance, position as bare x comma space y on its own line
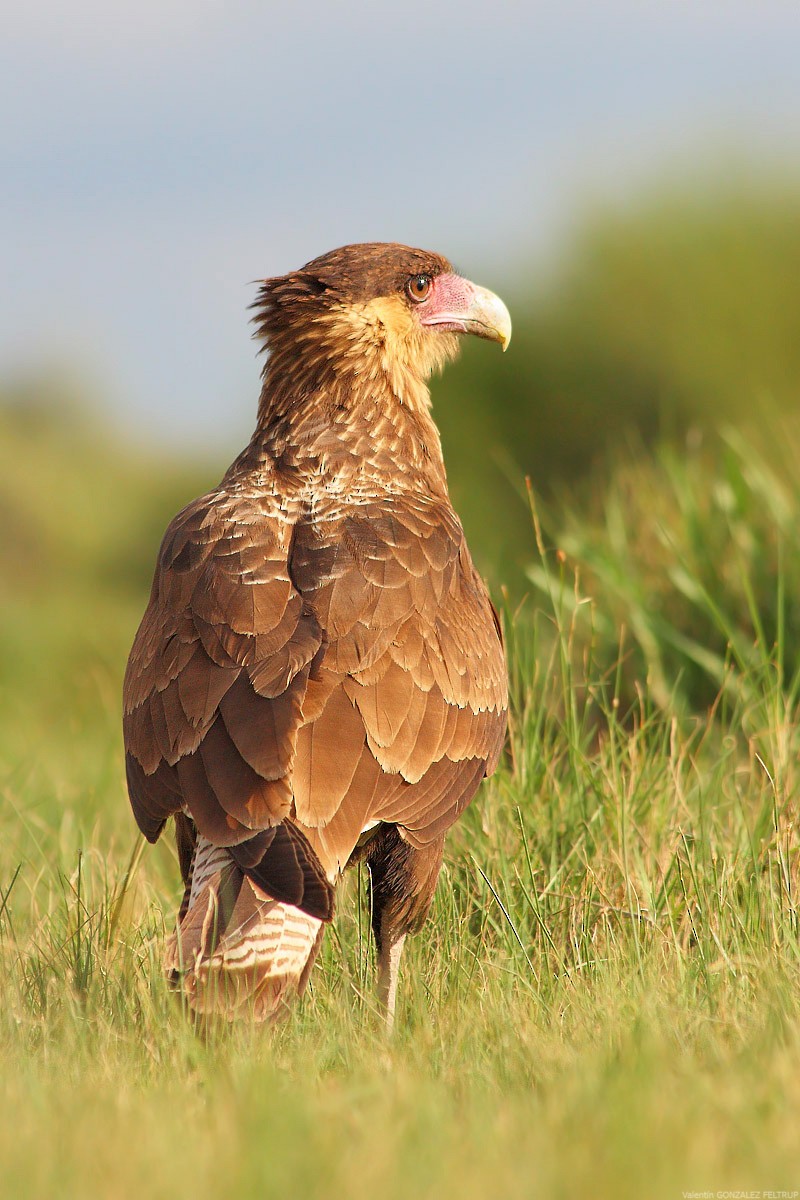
236, 950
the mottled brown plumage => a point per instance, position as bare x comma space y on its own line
319, 673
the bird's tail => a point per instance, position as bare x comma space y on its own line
237, 951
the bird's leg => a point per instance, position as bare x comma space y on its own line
402, 879
389, 954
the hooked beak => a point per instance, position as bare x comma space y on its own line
457, 305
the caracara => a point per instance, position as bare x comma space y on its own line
319, 675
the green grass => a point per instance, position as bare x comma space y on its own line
605, 1000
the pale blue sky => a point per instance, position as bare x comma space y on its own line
159, 155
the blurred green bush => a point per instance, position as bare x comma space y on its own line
667, 316
82, 515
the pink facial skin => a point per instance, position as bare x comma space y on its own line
457, 305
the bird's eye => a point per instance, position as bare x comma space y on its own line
418, 287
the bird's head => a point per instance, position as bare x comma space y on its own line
375, 309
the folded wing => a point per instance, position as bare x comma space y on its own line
322, 674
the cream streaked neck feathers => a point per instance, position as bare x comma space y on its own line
368, 363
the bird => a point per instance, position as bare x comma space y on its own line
319, 676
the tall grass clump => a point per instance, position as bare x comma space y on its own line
693, 557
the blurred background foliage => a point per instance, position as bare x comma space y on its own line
650, 394
661, 320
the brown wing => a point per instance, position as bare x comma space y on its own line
214, 690
405, 712
345, 672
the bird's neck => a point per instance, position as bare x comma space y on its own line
366, 419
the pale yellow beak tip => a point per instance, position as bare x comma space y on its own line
492, 313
